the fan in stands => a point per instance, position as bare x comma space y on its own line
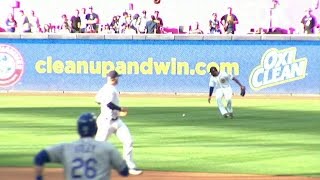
156, 1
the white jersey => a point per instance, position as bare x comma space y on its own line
108, 93
83, 21
87, 159
143, 22
220, 81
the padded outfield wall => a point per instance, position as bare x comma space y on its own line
159, 63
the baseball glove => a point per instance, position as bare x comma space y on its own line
123, 113
243, 91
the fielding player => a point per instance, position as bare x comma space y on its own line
109, 121
221, 81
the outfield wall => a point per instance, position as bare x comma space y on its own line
268, 64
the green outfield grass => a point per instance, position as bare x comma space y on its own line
267, 136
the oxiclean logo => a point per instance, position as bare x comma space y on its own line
278, 67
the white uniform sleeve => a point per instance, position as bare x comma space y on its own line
117, 161
56, 153
104, 95
99, 95
211, 82
226, 75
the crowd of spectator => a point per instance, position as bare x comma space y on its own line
83, 21
87, 22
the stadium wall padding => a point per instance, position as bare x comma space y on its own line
169, 63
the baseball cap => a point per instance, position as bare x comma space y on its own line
113, 74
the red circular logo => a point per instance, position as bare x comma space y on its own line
11, 65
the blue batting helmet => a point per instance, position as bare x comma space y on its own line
87, 126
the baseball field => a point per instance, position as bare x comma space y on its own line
269, 137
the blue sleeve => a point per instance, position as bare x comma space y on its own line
124, 171
113, 106
211, 91
41, 158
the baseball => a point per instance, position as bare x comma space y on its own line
183, 115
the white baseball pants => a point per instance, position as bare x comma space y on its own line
108, 127
227, 94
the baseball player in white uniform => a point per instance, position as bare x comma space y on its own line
221, 82
85, 158
109, 121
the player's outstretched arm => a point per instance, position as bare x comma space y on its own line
242, 88
238, 82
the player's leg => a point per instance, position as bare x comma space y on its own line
228, 97
124, 135
219, 96
104, 130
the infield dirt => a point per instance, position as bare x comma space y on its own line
11, 173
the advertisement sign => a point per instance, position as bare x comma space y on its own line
264, 67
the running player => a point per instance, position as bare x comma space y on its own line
84, 158
110, 123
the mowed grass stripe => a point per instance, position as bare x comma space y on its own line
266, 137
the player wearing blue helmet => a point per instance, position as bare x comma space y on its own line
87, 126
84, 158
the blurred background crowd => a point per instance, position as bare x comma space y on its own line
169, 16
